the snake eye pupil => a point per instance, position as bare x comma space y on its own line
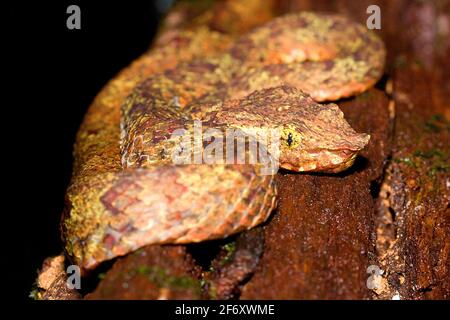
289, 139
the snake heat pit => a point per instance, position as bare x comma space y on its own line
271, 78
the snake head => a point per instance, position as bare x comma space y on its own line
320, 140
313, 136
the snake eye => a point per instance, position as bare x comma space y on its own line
289, 139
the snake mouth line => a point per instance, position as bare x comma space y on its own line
288, 166
345, 159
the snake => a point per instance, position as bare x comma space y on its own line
280, 76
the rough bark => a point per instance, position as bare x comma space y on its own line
154, 272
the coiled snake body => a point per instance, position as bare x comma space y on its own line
258, 83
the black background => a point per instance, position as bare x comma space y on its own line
57, 73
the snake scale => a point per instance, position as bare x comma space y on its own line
270, 78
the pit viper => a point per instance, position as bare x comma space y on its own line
270, 78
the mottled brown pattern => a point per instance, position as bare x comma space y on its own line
167, 204
150, 200
326, 55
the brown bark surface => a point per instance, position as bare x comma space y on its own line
413, 220
154, 272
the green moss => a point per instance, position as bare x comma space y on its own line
160, 277
437, 159
365, 96
406, 160
34, 293
143, 270
436, 123
429, 163
439, 168
101, 276
212, 292
400, 62
418, 63
428, 154
230, 248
